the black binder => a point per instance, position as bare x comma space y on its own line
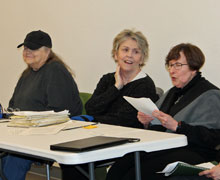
91, 143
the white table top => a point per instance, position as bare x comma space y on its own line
39, 145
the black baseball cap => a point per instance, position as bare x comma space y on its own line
36, 39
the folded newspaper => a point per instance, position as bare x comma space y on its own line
38, 118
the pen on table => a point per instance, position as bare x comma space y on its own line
4, 120
80, 126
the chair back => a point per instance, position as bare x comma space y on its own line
84, 98
159, 91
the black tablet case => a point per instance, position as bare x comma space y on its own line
91, 143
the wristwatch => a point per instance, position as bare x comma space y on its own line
178, 125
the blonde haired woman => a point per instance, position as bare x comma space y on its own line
107, 105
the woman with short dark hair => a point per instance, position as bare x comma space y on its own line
191, 108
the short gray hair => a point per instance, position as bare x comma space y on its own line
135, 35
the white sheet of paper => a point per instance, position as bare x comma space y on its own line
74, 124
32, 113
206, 165
169, 167
144, 105
54, 129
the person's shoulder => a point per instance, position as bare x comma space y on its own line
56, 69
56, 66
107, 79
108, 75
212, 94
147, 80
204, 83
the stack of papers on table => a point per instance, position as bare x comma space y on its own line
38, 118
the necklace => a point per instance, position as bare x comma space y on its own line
178, 99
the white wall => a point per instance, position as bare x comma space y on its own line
82, 32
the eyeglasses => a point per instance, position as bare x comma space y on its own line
9, 109
176, 66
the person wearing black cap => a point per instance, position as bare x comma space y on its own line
46, 84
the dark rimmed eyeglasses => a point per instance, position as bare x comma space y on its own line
176, 66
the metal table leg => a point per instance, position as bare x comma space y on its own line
91, 171
137, 165
48, 171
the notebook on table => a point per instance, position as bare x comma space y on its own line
92, 143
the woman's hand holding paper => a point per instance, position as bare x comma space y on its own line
145, 119
166, 120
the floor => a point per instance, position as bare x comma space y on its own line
33, 176
38, 172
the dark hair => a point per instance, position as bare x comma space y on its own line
194, 56
51, 58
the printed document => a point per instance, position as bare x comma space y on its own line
144, 105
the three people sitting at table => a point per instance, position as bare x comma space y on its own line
191, 107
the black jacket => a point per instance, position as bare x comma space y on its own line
107, 104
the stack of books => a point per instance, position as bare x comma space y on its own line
37, 118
